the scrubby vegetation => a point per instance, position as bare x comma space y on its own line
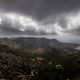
39, 64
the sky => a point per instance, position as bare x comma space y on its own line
41, 18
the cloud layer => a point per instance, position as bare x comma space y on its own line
17, 24
40, 8
59, 18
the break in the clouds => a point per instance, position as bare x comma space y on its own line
59, 18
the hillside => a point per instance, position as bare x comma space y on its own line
9, 43
31, 42
35, 64
38, 59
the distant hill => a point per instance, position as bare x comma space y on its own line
32, 42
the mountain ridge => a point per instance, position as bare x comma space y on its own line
32, 42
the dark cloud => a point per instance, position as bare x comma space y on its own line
63, 22
40, 8
75, 31
48, 14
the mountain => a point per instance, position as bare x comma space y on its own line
32, 42
38, 59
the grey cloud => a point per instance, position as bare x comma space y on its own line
70, 23
74, 31
40, 9
46, 12
63, 22
7, 28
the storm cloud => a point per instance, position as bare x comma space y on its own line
40, 8
58, 18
